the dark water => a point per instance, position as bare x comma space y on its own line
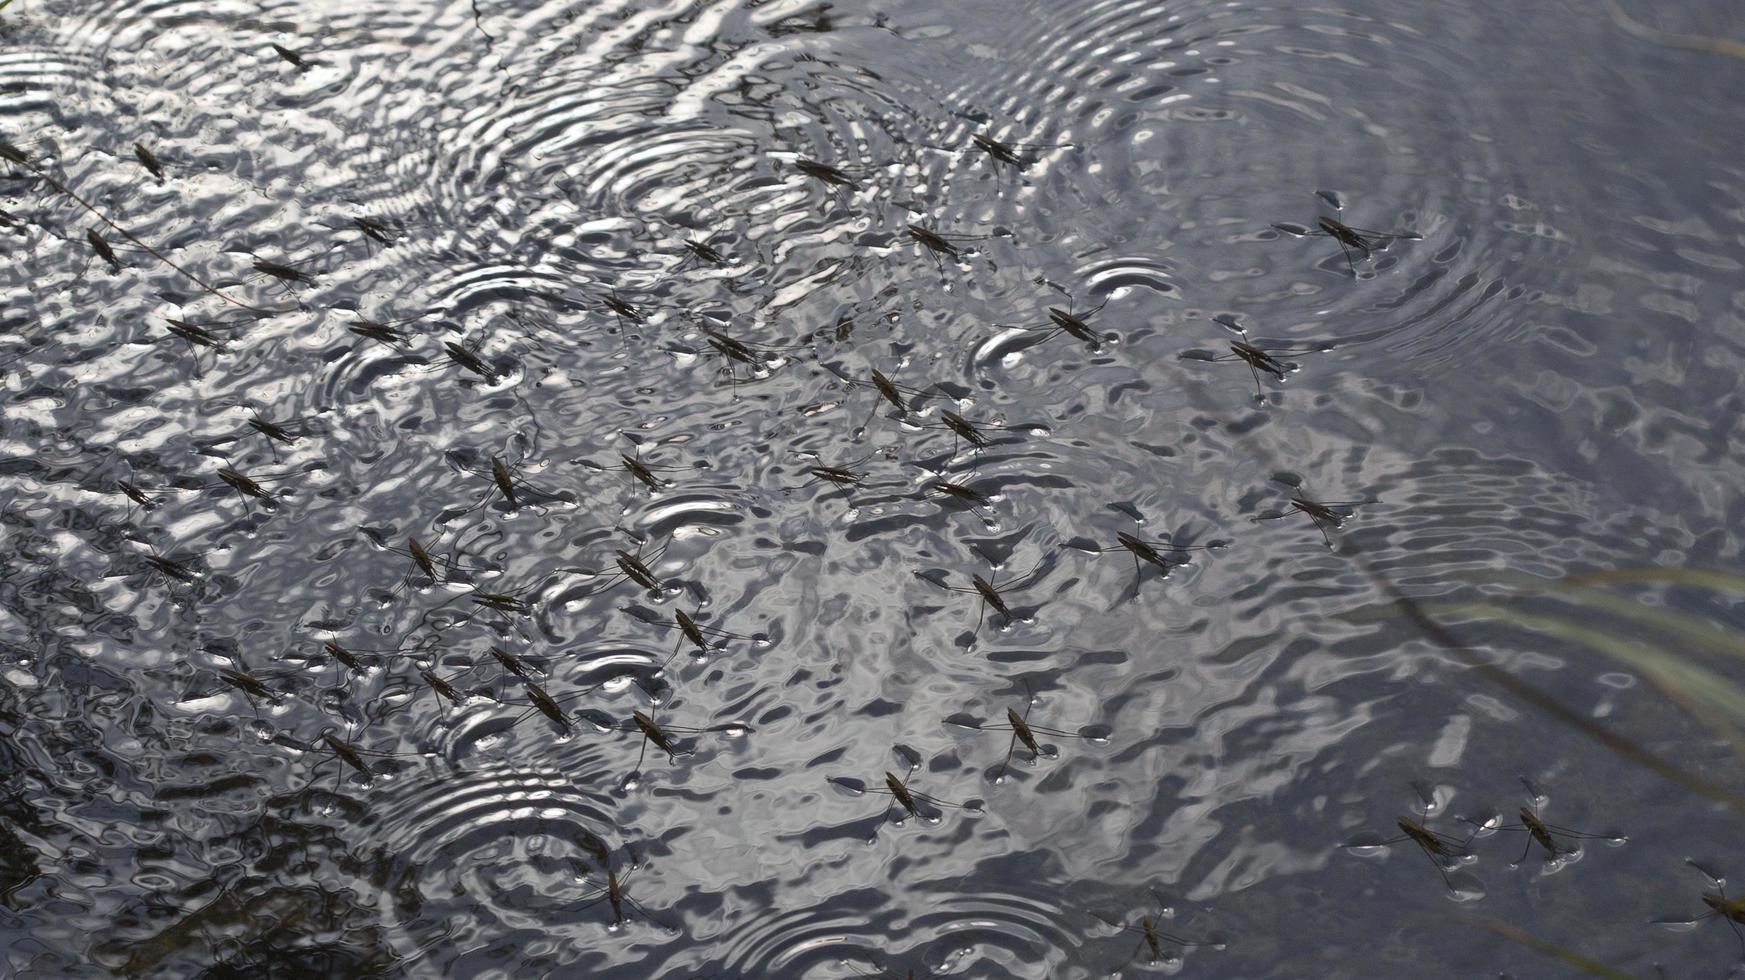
1546, 380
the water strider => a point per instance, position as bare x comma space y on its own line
1446, 852
104, 250
1362, 241
889, 392
1012, 154
148, 160
376, 330
938, 245
643, 471
909, 800
469, 360
845, 476
15, 155
442, 687
1152, 938
1545, 835
1719, 905
987, 594
288, 56
378, 231
1024, 732
703, 252
1064, 321
1324, 514
823, 173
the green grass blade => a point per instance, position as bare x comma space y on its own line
1570, 957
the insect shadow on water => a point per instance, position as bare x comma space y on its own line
1022, 731
1362, 241
1152, 938
1543, 834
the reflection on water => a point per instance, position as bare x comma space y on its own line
566, 489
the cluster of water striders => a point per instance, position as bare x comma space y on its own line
436, 564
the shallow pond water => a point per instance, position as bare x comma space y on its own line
387, 271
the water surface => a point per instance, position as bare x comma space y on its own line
1544, 379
